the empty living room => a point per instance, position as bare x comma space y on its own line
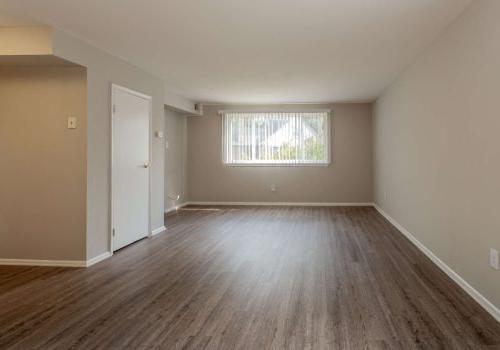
235, 174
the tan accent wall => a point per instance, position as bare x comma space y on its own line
25, 41
347, 179
175, 158
437, 147
42, 163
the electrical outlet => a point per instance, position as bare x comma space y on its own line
273, 188
494, 259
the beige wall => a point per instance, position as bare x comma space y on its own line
347, 179
102, 70
175, 158
42, 163
437, 147
25, 41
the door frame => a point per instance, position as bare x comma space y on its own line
115, 87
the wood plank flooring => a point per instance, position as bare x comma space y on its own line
248, 278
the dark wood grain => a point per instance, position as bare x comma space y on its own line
249, 278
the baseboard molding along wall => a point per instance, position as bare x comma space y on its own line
291, 204
169, 210
35, 262
97, 259
56, 263
478, 297
158, 230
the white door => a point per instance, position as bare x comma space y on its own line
130, 166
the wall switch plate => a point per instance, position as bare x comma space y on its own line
494, 259
273, 188
71, 122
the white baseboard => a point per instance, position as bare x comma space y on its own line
59, 263
291, 204
478, 297
36, 262
98, 258
169, 210
158, 230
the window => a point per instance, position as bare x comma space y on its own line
276, 138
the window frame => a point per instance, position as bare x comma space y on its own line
285, 163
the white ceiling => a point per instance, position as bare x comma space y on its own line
257, 51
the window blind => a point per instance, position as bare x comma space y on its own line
276, 138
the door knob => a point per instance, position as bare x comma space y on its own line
146, 165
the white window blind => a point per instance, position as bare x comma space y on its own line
276, 138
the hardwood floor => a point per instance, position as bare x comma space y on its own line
248, 278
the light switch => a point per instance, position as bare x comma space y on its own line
494, 259
72, 123
159, 134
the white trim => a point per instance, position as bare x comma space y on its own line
112, 112
275, 110
283, 163
291, 204
97, 259
477, 296
35, 262
171, 209
130, 91
277, 164
59, 263
285, 103
158, 230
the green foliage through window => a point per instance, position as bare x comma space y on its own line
276, 138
